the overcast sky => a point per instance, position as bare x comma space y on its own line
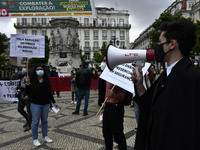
142, 14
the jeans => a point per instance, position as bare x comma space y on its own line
39, 111
80, 95
21, 105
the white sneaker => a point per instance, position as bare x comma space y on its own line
36, 142
75, 102
72, 102
48, 140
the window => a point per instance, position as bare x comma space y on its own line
24, 31
87, 34
104, 35
34, 21
96, 46
122, 35
44, 21
104, 22
95, 22
113, 34
44, 32
121, 22
190, 4
122, 44
87, 46
34, 32
96, 35
112, 22
87, 55
24, 21
86, 21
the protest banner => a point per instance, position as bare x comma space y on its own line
22, 45
121, 76
8, 90
64, 83
47, 8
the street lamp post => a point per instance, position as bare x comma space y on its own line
114, 41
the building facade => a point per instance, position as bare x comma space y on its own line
108, 26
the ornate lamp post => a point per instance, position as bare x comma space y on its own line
114, 41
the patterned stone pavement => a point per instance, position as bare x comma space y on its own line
69, 132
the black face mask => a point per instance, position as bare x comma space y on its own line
159, 52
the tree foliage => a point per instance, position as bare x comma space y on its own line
34, 61
4, 61
98, 57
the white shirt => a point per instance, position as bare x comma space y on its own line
169, 69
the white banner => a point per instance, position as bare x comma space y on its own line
22, 45
121, 76
8, 90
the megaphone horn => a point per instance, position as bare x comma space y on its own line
115, 56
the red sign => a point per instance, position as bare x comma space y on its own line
64, 83
4, 12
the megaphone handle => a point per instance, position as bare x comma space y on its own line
104, 102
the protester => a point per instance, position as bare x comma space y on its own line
40, 93
113, 118
74, 88
83, 81
21, 101
102, 84
196, 64
53, 73
169, 109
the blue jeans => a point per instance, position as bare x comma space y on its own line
80, 95
39, 111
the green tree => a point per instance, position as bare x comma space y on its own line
83, 57
34, 61
98, 57
4, 59
164, 17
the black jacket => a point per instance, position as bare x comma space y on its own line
170, 119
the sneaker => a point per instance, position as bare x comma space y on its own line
72, 102
75, 102
75, 113
36, 142
47, 139
85, 114
27, 128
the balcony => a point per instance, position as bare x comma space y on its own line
28, 25
87, 49
96, 48
86, 38
106, 26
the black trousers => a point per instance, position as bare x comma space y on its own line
26, 114
102, 91
113, 119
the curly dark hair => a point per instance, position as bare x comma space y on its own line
183, 31
35, 82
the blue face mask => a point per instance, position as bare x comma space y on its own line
24, 70
40, 72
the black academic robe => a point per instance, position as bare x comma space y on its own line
170, 114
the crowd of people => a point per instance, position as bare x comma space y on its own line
166, 108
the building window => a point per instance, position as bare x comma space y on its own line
95, 22
86, 21
104, 35
87, 34
44, 32
34, 32
24, 21
96, 46
87, 56
34, 21
87, 46
44, 21
190, 4
122, 35
104, 22
121, 22
96, 35
113, 34
24, 31
122, 44
112, 22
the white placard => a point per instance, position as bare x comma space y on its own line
31, 46
8, 90
121, 76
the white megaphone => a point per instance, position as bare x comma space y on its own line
117, 56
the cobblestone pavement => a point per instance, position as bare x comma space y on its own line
69, 132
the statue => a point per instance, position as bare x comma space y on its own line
58, 40
52, 41
69, 39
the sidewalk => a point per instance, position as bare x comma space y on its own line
69, 132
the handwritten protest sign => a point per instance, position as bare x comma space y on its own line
121, 76
22, 45
8, 90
